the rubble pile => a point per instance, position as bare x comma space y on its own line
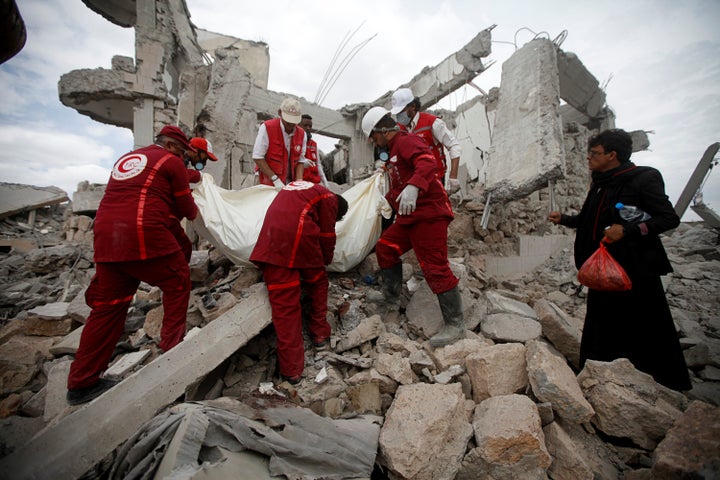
508, 401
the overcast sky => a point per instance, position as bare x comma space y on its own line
659, 59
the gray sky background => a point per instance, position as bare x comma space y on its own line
659, 59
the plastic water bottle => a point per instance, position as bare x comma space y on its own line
631, 214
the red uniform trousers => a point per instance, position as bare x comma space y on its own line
429, 240
284, 288
109, 295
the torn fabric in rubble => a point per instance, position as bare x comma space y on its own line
191, 440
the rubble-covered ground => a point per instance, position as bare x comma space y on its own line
506, 402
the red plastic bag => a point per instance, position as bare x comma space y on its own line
602, 272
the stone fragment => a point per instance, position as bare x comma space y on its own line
567, 462
455, 353
368, 329
629, 403
395, 366
691, 447
563, 330
497, 370
553, 381
509, 327
510, 441
434, 417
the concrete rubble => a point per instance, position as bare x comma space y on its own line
604, 422
506, 402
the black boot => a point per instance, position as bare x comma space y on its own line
454, 329
391, 287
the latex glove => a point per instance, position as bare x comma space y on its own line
278, 184
408, 200
452, 186
380, 167
307, 162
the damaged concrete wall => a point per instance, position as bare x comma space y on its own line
527, 148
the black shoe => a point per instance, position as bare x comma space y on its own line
292, 380
77, 396
321, 345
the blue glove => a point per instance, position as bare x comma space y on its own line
408, 200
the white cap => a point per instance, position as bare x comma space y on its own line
290, 111
371, 118
401, 99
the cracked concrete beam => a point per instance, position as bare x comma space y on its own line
70, 447
104, 95
434, 83
578, 87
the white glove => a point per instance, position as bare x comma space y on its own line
307, 162
453, 185
408, 199
379, 167
278, 184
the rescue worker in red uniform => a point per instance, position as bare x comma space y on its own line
198, 159
423, 215
406, 108
313, 171
280, 147
133, 244
296, 242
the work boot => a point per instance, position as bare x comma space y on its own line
391, 287
454, 328
77, 396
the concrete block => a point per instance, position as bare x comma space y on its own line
126, 364
528, 147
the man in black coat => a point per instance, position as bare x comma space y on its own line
635, 324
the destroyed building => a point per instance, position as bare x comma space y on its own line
506, 402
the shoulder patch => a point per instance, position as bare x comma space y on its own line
129, 166
299, 185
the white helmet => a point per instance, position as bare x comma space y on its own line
401, 99
371, 118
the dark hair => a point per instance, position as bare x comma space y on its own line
416, 103
614, 140
386, 122
306, 116
342, 207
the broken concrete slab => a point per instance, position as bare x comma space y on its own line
17, 198
69, 343
126, 364
527, 148
55, 402
121, 411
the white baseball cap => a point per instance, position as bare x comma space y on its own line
290, 111
401, 99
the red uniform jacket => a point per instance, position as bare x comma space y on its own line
412, 162
146, 187
424, 129
277, 155
299, 228
312, 174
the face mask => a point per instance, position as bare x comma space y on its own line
402, 118
383, 155
199, 166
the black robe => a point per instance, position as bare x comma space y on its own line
635, 324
